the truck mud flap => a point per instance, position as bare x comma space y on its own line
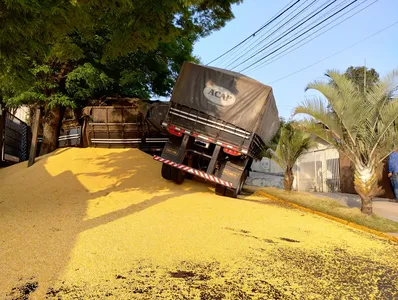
193, 171
174, 149
233, 172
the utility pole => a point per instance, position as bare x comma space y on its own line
35, 134
2, 126
364, 76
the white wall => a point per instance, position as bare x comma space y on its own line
315, 170
23, 113
266, 165
318, 169
265, 173
264, 180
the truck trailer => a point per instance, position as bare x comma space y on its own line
219, 122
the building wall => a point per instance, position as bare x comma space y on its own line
266, 165
22, 113
318, 170
321, 169
265, 173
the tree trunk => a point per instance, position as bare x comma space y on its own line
288, 180
52, 121
365, 183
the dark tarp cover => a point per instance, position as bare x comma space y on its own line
230, 96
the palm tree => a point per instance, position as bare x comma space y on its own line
361, 125
293, 142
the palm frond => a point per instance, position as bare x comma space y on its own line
343, 98
292, 144
362, 122
317, 109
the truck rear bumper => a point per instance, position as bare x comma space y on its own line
194, 171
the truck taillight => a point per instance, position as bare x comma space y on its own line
174, 132
231, 152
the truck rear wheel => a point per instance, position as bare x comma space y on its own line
166, 172
177, 175
220, 190
189, 176
232, 193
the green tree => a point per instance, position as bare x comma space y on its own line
30, 29
72, 83
127, 48
293, 142
357, 75
361, 126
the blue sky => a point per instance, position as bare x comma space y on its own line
380, 51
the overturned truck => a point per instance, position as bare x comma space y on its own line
128, 123
219, 121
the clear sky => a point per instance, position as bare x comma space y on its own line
380, 51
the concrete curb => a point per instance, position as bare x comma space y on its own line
345, 222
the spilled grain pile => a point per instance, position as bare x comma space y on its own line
102, 223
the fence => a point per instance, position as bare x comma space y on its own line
15, 135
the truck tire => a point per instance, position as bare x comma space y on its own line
166, 171
177, 175
189, 176
233, 193
220, 190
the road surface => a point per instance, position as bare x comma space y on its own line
102, 223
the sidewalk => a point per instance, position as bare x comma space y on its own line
381, 206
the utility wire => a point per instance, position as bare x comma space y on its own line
264, 57
336, 53
257, 31
232, 58
305, 37
259, 43
321, 17
232, 52
279, 55
290, 30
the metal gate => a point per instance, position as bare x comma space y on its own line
16, 139
318, 171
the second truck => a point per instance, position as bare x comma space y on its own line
219, 122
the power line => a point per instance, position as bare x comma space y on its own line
303, 41
290, 30
272, 33
303, 29
256, 62
336, 53
232, 58
257, 31
279, 56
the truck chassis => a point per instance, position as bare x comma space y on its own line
197, 147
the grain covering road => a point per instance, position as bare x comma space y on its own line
102, 223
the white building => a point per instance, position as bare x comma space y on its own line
317, 170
